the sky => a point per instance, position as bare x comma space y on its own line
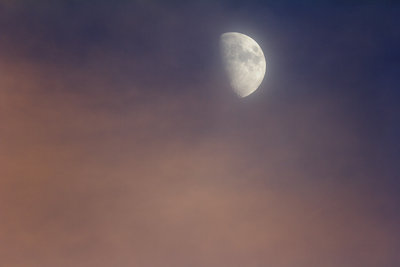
121, 143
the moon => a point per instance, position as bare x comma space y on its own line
244, 62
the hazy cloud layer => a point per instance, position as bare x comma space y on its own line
106, 159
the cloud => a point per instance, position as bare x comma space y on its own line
89, 180
102, 168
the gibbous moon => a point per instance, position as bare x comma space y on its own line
244, 62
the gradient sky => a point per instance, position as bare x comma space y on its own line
121, 143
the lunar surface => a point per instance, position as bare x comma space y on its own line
244, 62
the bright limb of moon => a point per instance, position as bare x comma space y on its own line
244, 62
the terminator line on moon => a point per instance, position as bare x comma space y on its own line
244, 62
